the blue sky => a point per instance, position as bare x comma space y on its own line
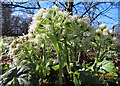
113, 13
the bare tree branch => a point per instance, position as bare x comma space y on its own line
89, 9
77, 3
62, 4
8, 5
38, 4
109, 17
101, 12
75, 10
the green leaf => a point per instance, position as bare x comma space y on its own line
75, 81
18, 76
105, 66
56, 67
54, 41
87, 78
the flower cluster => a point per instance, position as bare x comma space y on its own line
62, 25
104, 36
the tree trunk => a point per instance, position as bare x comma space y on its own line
69, 6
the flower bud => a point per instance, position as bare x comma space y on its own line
56, 8
98, 31
85, 19
21, 38
38, 36
46, 15
105, 31
19, 46
14, 51
48, 10
114, 38
111, 31
30, 35
75, 16
102, 26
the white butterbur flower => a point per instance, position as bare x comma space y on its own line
103, 26
58, 24
86, 19
18, 40
21, 38
46, 15
41, 11
30, 35
79, 20
105, 33
32, 40
98, 31
111, 31
47, 27
60, 12
67, 20
38, 36
14, 51
65, 13
19, 46
105, 30
76, 16
114, 39
56, 8
38, 14
44, 35
14, 42
60, 18
48, 9
33, 26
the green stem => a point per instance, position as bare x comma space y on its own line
60, 70
44, 55
59, 56
96, 60
67, 57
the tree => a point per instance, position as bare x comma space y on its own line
93, 10
13, 25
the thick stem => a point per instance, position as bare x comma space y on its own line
60, 70
67, 57
44, 55
96, 60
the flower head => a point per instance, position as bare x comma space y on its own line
56, 8
19, 46
38, 36
33, 26
46, 15
85, 19
75, 16
98, 31
79, 20
102, 26
111, 31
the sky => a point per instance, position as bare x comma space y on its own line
113, 13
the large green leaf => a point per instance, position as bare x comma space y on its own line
55, 43
105, 66
56, 67
85, 77
18, 76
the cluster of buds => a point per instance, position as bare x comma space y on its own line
102, 30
